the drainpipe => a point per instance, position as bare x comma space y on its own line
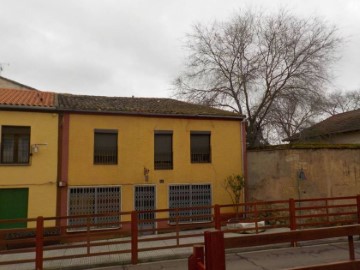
244, 159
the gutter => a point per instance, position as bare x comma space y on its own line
27, 108
143, 114
201, 116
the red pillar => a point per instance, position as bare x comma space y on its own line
39, 251
214, 250
134, 237
217, 217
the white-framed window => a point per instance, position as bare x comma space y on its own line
15, 145
186, 196
92, 200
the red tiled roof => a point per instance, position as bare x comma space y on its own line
26, 98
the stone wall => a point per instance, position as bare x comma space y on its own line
273, 173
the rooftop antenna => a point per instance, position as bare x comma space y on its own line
2, 65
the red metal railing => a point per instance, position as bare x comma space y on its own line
215, 245
125, 235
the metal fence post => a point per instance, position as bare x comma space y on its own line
195, 257
292, 218
214, 250
358, 208
39, 251
217, 217
134, 237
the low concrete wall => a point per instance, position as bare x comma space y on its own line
331, 171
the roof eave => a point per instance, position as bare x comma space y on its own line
26, 108
201, 116
320, 135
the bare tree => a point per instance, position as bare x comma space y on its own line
250, 61
339, 102
293, 112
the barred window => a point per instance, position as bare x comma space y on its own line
163, 156
91, 201
184, 196
200, 147
15, 144
105, 147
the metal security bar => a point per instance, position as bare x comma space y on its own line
182, 196
94, 200
201, 196
163, 161
145, 200
200, 156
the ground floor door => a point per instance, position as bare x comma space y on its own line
13, 205
145, 200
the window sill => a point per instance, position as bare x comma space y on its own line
190, 222
14, 164
107, 164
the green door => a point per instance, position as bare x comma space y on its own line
13, 204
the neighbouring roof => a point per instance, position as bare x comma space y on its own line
339, 123
15, 83
141, 106
26, 98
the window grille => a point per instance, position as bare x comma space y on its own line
145, 200
183, 196
91, 201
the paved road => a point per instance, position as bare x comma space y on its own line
274, 259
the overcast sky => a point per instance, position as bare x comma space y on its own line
130, 47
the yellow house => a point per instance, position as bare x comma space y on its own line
28, 158
123, 154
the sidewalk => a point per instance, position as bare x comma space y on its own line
272, 259
162, 253
123, 260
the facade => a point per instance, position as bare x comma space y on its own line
145, 154
342, 128
6, 83
68, 155
28, 160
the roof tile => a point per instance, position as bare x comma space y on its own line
339, 123
26, 98
137, 105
